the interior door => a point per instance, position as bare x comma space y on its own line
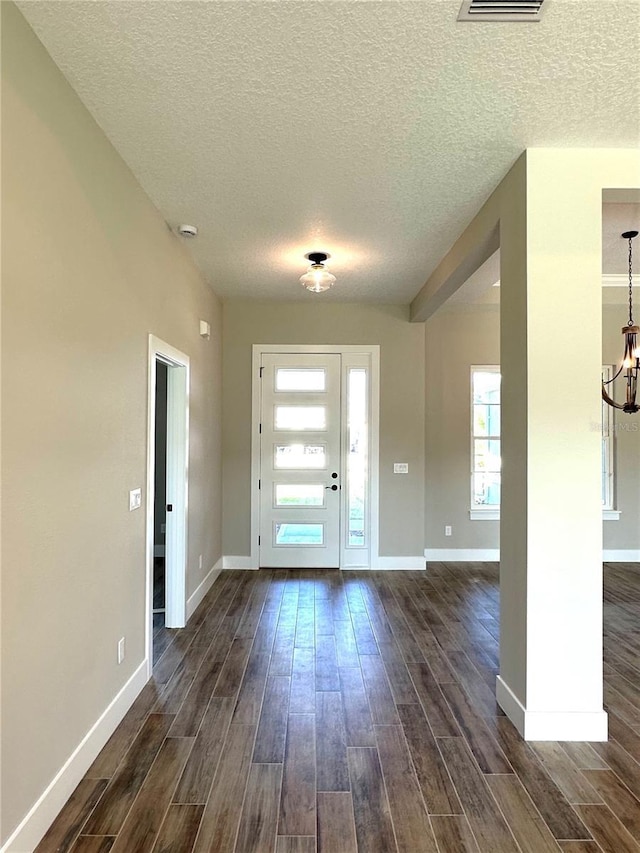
300, 461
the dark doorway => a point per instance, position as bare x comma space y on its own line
160, 502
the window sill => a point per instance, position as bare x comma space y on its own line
484, 514
494, 514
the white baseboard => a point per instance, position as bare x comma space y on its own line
627, 556
238, 563
482, 555
379, 563
196, 597
463, 555
44, 811
561, 725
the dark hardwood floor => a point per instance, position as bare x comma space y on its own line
340, 712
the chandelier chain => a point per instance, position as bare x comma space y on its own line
630, 283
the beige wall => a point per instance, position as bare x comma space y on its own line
89, 269
401, 405
454, 341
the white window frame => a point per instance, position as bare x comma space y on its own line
609, 513
476, 513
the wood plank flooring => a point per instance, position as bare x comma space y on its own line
329, 712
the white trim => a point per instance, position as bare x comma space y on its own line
373, 351
631, 555
494, 514
562, 725
620, 280
481, 555
381, 563
176, 544
31, 829
484, 514
203, 588
231, 562
465, 555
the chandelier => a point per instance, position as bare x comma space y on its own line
630, 365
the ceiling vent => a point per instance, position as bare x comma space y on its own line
501, 10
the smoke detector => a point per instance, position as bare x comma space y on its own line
187, 230
501, 10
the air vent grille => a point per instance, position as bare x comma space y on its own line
501, 10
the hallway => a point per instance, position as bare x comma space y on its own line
339, 712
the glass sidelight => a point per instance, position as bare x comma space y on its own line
357, 449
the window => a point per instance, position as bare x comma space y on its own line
485, 438
485, 446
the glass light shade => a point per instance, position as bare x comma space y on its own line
317, 278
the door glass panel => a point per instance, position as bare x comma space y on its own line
299, 494
357, 456
299, 534
300, 456
300, 379
301, 417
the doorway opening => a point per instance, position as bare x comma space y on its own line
160, 639
167, 486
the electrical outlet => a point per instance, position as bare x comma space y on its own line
200, 562
448, 530
121, 650
400, 467
135, 499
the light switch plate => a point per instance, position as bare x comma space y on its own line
135, 499
400, 467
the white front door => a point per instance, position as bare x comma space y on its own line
300, 469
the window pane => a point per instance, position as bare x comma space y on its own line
486, 489
299, 534
300, 379
486, 387
294, 494
300, 456
357, 458
301, 417
486, 420
486, 455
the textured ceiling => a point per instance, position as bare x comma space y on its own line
371, 130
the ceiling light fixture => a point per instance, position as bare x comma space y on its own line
631, 358
317, 278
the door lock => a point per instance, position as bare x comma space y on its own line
333, 488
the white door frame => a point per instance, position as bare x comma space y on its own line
177, 486
346, 350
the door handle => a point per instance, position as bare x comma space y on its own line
333, 488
